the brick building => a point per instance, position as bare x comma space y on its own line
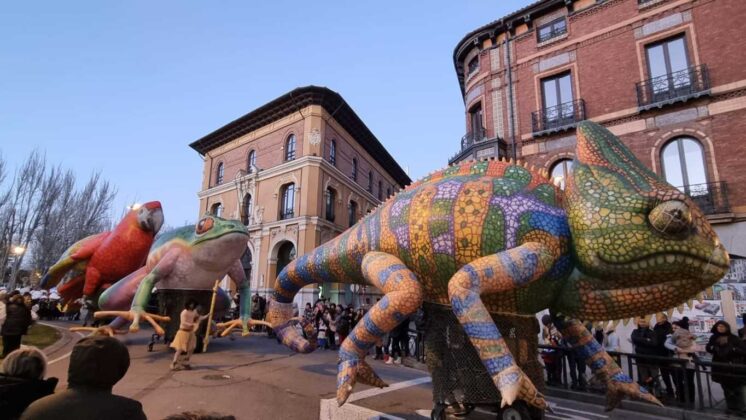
297, 171
667, 76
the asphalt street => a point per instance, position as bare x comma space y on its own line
256, 378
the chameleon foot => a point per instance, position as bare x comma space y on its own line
290, 336
353, 371
134, 317
620, 385
105, 330
515, 385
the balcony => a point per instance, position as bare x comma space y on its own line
712, 198
557, 118
475, 136
673, 87
475, 141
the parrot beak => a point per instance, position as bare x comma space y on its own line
150, 219
155, 221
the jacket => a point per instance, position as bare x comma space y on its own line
17, 318
644, 340
16, 394
661, 333
96, 364
727, 348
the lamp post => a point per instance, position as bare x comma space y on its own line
17, 251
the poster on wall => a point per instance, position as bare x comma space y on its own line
707, 312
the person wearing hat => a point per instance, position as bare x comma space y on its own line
96, 364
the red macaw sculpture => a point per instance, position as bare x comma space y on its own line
99, 260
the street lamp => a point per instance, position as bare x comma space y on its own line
17, 251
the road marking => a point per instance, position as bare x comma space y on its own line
329, 410
587, 413
393, 387
66, 355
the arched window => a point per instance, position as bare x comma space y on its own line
354, 169
246, 210
352, 214
285, 254
380, 190
330, 197
370, 182
217, 210
683, 162
290, 148
220, 172
251, 162
560, 171
333, 152
288, 201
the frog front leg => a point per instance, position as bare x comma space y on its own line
501, 272
601, 363
237, 274
137, 311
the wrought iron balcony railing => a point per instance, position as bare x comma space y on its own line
475, 136
712, 198
552, 30
677, 86
558, 117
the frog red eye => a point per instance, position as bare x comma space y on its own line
204, 225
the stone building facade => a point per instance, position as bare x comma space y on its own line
297, 171
667, 76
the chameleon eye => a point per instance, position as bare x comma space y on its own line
204, 225
671, 217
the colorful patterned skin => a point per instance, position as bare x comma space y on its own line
188, 258
495, 237
99, 260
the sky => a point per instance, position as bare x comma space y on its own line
124, 87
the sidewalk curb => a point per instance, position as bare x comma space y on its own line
671, 412
66, 336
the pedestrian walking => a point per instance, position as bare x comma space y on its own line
726, 348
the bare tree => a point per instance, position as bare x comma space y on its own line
42, 210
75, 215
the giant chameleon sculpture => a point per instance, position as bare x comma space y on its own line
492, 236
99, 260
188, 258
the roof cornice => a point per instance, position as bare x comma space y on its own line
293, 101
502, 25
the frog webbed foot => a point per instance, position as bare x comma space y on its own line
134, 316
244, 325
105, 330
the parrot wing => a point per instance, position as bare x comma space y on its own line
73, 256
